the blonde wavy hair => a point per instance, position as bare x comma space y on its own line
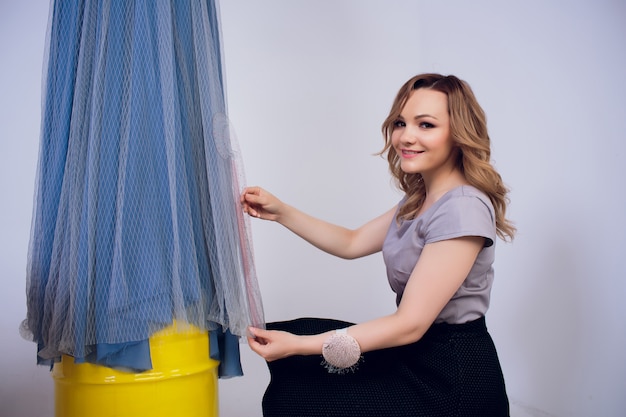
468, 128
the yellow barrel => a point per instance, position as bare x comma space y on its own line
183, 382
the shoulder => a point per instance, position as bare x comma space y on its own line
466, 197
462, 211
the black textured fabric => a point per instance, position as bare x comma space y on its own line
452, 371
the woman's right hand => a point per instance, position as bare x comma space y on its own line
260, 204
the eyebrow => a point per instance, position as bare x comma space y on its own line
421, 116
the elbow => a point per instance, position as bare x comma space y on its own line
345, 252
348, 256
415, 334
411, 330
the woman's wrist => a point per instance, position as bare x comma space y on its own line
283, 214
312, 344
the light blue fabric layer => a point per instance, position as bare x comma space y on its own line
136, 220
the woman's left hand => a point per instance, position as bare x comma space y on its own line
272, 344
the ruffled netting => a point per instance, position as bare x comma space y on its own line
136, 220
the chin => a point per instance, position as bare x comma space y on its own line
409, 169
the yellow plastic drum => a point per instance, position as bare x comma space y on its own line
183, 382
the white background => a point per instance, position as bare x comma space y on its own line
309, 83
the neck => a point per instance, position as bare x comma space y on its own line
439, 184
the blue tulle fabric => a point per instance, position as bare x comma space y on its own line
136, 220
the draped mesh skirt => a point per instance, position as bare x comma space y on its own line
136, 220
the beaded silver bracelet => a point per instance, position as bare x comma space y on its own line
341, 352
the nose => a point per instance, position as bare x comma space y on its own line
408, 136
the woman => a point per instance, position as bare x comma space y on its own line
438, 244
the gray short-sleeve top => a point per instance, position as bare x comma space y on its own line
462, 211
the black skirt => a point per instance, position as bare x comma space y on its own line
452, 371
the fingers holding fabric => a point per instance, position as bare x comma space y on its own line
271, 344
260, 204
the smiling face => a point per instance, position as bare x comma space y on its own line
421, 134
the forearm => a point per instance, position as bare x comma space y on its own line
384, 332
388, 331
330, 238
